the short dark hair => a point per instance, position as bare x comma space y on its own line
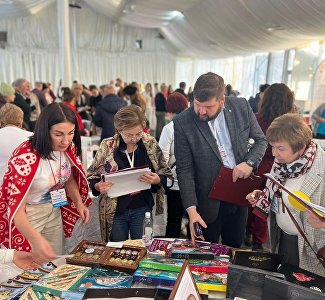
53, 114
176, 103
263, 87
92, 87
68, 96
182, 85
207, 86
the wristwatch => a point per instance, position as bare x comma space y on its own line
250, 163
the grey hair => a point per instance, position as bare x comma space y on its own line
18, 82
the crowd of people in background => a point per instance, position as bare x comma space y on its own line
185, 136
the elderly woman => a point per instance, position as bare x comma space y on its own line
176, 103
299, 165
11, 122
129, 147
7, 93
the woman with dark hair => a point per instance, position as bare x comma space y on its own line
45, 190
131, 92
277, 100
69, 99
175, 104
121, 217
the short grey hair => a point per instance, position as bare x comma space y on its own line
18, 82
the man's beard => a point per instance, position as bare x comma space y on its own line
207, 118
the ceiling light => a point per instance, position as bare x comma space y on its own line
176, 14
129, 8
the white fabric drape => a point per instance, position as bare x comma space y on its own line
237, 71
100, 50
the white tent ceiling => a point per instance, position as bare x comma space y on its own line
207, 28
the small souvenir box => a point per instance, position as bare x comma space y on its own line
96, 254
124, 259
88, 253
261, 260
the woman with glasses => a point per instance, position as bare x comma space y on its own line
122, 217
299, 165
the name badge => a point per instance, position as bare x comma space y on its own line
59, 198
223, 153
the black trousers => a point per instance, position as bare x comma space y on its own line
230, 225
175, 214
288, 247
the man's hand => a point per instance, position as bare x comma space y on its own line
195, 217
242, 170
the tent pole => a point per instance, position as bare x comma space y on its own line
64, 41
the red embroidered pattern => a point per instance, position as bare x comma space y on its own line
17, 180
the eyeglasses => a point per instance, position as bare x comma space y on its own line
130, 136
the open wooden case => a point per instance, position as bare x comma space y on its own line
96, 254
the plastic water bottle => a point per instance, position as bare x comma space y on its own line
147, 229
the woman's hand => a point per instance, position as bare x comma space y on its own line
83, 212
151, 178
253, 197
42, 250
314, 221
24, 260
103, 187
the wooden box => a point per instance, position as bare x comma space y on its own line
124, 259
88, 253
96, 254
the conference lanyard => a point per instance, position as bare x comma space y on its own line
131, 161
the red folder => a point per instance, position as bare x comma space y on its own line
225, 189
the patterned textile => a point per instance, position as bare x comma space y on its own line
282, 172
104, 163
17, 180
314, 186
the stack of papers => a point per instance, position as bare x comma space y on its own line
126, 181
